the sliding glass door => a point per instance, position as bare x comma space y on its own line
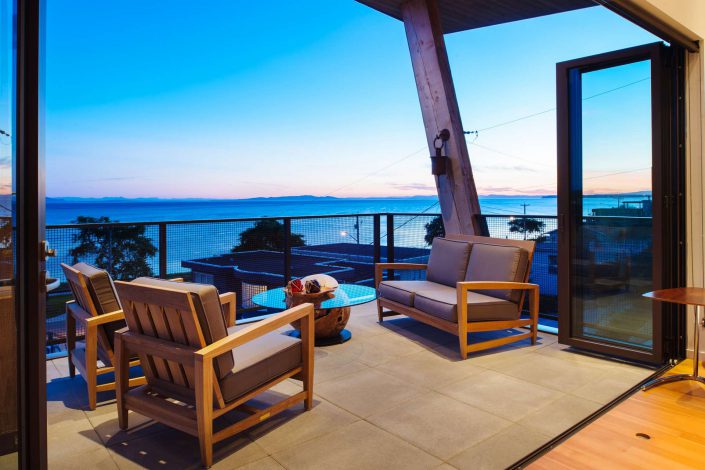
614, 200
22, 251
9, 392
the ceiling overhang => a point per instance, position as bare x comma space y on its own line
461, 15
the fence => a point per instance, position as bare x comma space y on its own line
240, 255
247, 256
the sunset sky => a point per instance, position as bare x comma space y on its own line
161, 99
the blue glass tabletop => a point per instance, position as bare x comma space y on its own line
346, 295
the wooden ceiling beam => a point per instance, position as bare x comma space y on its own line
439, 107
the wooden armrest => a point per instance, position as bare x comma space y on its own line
177, 279
383, 266
87, 319
117, 315
499, 285
228, 300
75, 310
380, 267
255, 331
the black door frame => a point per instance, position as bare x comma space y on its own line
30, 282
667, 190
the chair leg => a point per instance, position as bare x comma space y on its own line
204, 409
91, 365
307, 338
463, 340
380, 312
308, 388
122, 380
534, 312
71, 341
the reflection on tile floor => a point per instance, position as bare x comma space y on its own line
396, 396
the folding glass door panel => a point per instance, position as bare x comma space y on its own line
611, 192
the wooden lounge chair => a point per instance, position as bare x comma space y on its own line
97, 309
472, 284
197, 370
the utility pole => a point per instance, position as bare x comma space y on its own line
523, 220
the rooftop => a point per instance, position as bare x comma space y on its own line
396, 395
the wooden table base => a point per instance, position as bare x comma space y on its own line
340, 338
329, 326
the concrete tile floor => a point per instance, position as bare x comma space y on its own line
395, 396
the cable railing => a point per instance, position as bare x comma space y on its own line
247, 256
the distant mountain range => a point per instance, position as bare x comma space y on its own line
305, 197
309, 197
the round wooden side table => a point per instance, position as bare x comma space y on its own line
685, 296
331, 315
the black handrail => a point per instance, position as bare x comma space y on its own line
247, 219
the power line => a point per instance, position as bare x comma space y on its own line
376, 171
499, 209
553, 183
412, 218
616, 173
528, 116
499, 152
476, 133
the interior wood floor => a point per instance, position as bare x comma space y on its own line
672, 417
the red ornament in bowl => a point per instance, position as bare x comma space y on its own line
296, 286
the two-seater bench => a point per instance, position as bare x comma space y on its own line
472, 284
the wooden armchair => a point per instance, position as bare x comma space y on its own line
97, 309
197, 371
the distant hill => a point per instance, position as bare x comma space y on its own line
304, 197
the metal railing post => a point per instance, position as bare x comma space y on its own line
287, 250
163, 268
377, 238
390, 244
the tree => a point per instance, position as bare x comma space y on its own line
528, 226
266, 234
123, 250
434, 229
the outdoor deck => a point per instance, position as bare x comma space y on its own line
395, 396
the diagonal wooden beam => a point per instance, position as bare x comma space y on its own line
439, 108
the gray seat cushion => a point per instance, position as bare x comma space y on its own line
210, 314
259, 361
402, 291
498, 263
105, 299
448, 261
442, 302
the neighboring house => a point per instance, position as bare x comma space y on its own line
249, 272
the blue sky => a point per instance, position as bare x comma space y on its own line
161, 99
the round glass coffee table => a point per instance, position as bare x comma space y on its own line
331, 315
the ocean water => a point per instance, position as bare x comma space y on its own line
64, 211
188, 241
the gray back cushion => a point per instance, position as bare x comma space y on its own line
102, 291
497, 263
209, 311
448, 261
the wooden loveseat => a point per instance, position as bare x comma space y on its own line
472, 284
